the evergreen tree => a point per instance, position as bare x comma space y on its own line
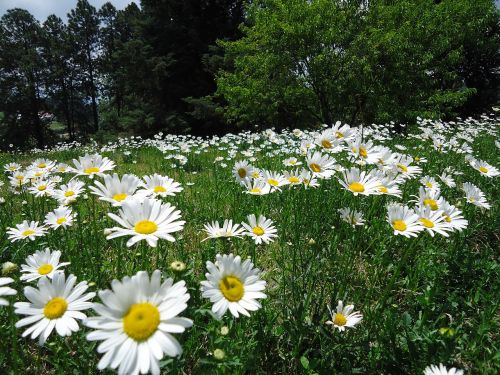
21, 78
83, 25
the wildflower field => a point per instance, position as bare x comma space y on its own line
353, 250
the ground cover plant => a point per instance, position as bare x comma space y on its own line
335, 250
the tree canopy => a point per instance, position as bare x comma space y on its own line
207, 66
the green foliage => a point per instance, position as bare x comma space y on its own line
305, 61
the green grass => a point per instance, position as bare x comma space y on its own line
410, 291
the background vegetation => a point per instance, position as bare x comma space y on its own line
204, 66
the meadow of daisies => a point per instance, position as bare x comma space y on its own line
368, 250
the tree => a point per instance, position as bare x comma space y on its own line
83, 24
314, 61
21, 78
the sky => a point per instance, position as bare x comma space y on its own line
43, 8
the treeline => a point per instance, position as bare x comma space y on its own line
109, 71
205, 66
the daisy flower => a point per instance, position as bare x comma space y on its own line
387, 185
453, 216
275, 180
18, 179
447, 180
115, 190
42, 188
321, 166
67, 194
352, 217
430, 183
242, 170
344, 317
474, 195
365, 151
56, 303
12, 167
359, 182
484, 168
136, 321
148, 220
233, 285
43, 164
92, 165
291, 162
293, 177
405, 169
343, 132
430, 198
60, 217
255, 187
403, 220
62, 168
5, 290
214, 230
261, 230
441, 370
308, 179
327, 140
27, 229
433, 221
41, 264
159, 186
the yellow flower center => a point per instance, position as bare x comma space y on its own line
145, 227
315, 167
339, 135
20, 178
340, 319
55, 308
404, 168
242, 172
12, 169
41, 165
447, 218
417, 158
326, 144
399, 225
383, 189
232, 288
483, 169
119, 197
357, 187
426, 222
38, 174
42, 187
363, 153
159, 189
431, 203
293, 180
272, 182
255, 174
28, 232
429, 185
45, 269
91, 170
258, 231
69, 194
61, 220
62, 169
141, 321
292, 162
255, 190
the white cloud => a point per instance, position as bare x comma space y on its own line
41, 9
